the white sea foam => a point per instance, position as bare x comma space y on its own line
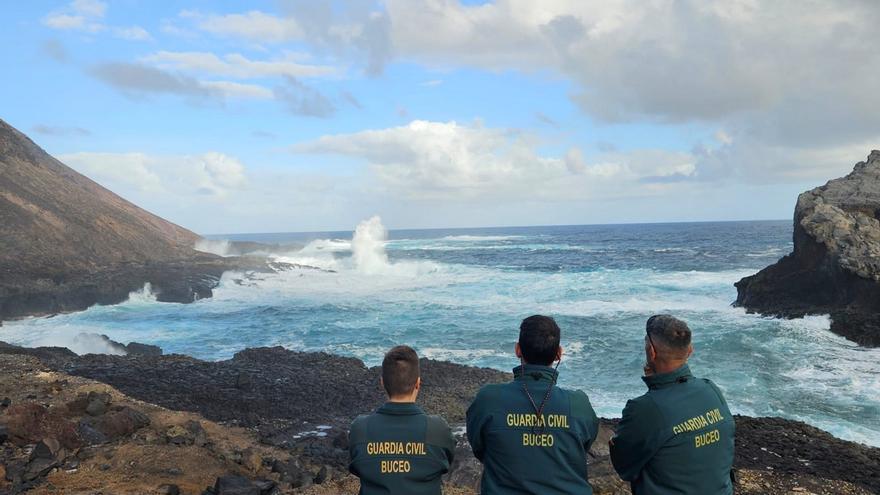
143, 296
458, 355
218, 247
480, 238
368, 246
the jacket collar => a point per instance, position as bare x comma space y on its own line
682, 374
535, 372
400, 409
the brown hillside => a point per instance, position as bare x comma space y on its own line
52, 216
67, 243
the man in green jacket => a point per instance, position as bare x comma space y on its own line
399, 450
677, 438
532, 436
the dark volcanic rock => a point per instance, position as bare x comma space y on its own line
138, 349
793, 447
260, 385
235, 485
835, 266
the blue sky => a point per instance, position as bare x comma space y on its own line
291, 115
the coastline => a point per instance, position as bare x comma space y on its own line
302, 404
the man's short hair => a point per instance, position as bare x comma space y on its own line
539, 339
400, 371
669, 331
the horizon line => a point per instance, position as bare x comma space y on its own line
686, 222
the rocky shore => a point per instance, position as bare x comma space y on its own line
835, 266
271, 420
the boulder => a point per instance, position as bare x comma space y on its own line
178, 435
168, 490
293, 472
122, 423
197, 432
138, 349
97, 403
88, 435
235, 485
835, 266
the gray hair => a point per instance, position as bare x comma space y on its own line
669, 331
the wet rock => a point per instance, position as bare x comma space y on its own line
235, 485
4, 434
168, 490
138, 349
5, 402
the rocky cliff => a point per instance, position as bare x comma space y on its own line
835, 266
67, 243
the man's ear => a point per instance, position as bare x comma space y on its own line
651, 351
518, 351
690, 350
418, 383
559, 353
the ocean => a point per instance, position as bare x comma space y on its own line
459, 295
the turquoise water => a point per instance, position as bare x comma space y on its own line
459, 295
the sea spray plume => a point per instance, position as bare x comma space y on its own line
368, 246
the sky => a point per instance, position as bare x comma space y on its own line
282, 116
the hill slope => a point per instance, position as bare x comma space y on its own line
67, 243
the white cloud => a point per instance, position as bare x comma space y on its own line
231, 89
93, 8
72, 22
130, 169
235, 65
253, 25
211, 175
132, 33
772, 74
87, 16
447, 160
79, 15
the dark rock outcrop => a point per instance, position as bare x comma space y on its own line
835, 266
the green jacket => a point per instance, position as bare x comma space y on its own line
400, 450
518, 456
677, 438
